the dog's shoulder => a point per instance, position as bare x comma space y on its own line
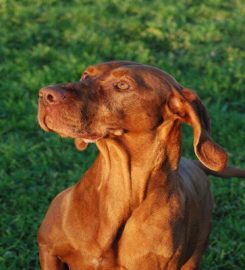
54, 213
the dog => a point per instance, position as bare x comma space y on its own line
141, 206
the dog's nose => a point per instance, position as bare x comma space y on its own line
53, 95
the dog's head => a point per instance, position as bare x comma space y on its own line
119, 97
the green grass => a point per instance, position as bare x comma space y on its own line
44, 42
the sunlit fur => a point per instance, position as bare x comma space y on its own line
140, 206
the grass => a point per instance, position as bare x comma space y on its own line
44, 42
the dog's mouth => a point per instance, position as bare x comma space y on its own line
90, 138
51, 120
87, 137
70, 131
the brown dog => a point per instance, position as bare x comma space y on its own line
139, 207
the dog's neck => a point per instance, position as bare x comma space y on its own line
135, 162
128, 169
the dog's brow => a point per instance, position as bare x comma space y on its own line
91, 70
118, 73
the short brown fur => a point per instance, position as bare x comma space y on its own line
140, 206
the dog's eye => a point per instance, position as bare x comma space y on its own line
122, 85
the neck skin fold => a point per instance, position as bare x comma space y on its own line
136, 163
127, 170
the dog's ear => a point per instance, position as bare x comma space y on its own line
80, 144
186, 106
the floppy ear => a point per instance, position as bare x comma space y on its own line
186, 106
80, 144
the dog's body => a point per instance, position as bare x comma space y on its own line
139, 207
82, 227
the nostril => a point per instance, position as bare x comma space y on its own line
52, 94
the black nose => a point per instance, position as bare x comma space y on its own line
53, 95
